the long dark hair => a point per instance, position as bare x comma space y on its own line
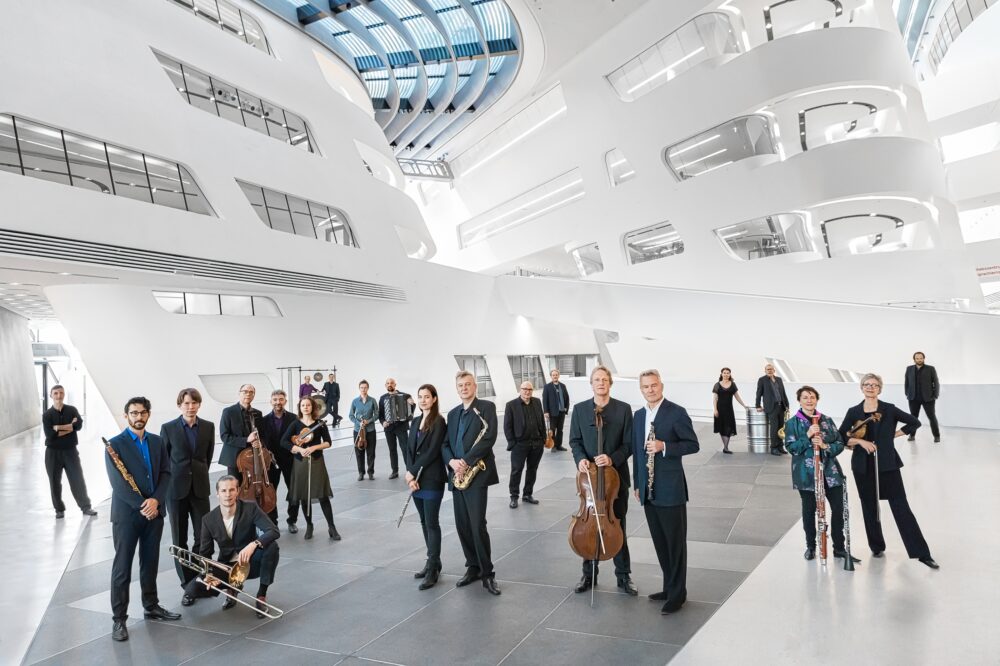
315, 407
730, 374
434, 413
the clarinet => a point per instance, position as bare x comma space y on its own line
121, 467
820, 498
650, 463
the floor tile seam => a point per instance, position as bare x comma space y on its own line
620, 638
375, 661
401, 622
516, 548
203, 652
291, 645
532, 630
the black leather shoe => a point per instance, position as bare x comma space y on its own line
423, 572
810, 554
309, 531
513, 503
658, 596
334, 534
260, 608
671, 607
361, 477
89, 512
471, 576
529, 499
160, 613
937, 440
930, 562
228, 603
841, 554
394, 475
187, 600
782, 450
431, 579
911, 438
878, 553
727, 451
60, 514
490, 584
775, 452
119, 632
293, 528
584, 585
371, 476
559, 448
627, 586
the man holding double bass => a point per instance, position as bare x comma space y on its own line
617, 439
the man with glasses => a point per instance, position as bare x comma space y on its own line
237, 428
524, 428
137, 517
771, 390
555, 403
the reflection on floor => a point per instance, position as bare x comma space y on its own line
357, 600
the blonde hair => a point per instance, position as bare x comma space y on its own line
601, 368
871, 375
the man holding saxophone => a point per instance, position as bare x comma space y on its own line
468, 453
662, 433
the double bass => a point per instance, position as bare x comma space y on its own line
253, 463
595, 532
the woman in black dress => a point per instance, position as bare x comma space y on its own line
722, 407
881, 470
309, 476
422, 457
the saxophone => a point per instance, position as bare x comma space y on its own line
121, 467
463, 481
650, 463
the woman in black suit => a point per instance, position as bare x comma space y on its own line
422, 456
878, 439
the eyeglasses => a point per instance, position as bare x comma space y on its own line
144, 412
528, 390
870, 385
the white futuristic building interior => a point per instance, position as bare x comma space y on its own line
214, 193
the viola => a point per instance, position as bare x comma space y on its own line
860, 427
253, 463
595, 532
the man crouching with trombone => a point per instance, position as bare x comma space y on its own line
246, 538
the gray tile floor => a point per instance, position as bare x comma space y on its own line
356, 601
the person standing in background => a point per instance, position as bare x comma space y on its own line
331, 389
60, 423
922, 390
722, 407
771, 390
555, 404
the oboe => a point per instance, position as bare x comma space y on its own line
820, 497
121, 467
650, 463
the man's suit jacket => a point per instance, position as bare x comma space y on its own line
189, 469
427, 454
514, 423
929, 385
272, 437
124, 502
672, 426
764, 391
332, 392
483, 450
617, 436
250, 524
550, 401
234, 433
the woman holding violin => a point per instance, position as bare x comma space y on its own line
306, 438
426, 476
870, 428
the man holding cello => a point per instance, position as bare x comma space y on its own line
616, 447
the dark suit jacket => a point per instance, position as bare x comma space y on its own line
929, 385
483, 451
427, 455
885, 441
764, 391
249, 525
189, 469
272, 437
234, 433
550, 402
514, 423
617, 436
672, 426
124, 502
332, 392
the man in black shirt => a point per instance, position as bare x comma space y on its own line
922, 390
60, 422
524, 428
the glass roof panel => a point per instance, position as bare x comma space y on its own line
496, 19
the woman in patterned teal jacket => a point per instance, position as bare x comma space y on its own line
799, 434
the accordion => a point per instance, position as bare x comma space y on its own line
397, 408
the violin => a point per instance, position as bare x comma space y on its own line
595, 532
305, 435
860, 427
253, 463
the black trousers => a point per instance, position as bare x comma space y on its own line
470, 522
275, 474
368, 452
395, 437
430, 510
834, 516
891, 488
623, 561
556, 424
668, 529
776, 419
524, 452
126, 536
57, 460
179, 511
928, 406
263, 564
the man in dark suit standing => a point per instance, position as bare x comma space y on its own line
922, 390
137, 517
664, 496
245, 535
555, 405
524, 428
272, 429
190, 443
461, 453
331, 390
617, 417
236, 427
771, 390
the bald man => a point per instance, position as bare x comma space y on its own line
395, 421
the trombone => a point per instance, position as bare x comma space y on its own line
233, 587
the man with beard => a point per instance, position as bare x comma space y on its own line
272, 429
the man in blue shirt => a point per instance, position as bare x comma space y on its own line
137, 511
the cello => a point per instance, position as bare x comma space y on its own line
253, 463
595, 533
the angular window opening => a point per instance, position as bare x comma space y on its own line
587, 259
651, 243
527, 369
783, 369
766, 236
573, 365
619, 169
176, 302
231, 20
297, 216
797, 16
863, 234
732, 141
477, 366
837, 121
